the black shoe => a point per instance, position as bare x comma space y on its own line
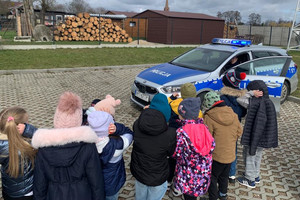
231, 179
223, 197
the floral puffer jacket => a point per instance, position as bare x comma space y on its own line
193, 156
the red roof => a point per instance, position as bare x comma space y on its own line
127, 14
182, 15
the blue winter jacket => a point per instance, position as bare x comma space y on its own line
112, 159
16, 187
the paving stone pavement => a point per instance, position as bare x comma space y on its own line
38, 93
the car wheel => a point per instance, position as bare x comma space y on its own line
285, 92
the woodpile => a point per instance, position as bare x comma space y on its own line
84, 27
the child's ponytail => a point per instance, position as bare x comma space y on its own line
19, 148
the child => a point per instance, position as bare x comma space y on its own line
67, 162
225, 127
260, 131
229, 93
187, 90
193, 152
17, 156
154, 141
110, 149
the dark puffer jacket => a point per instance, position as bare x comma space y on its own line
67, 165
260, 129
154, 141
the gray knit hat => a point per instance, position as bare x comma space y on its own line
189, 108
210, 99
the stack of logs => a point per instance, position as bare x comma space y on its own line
84, 27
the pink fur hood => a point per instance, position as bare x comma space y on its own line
62, 136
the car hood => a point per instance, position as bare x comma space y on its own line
166, 72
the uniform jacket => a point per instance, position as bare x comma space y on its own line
260, 129
225, 127
67, 165
16, 187
174, 103
111, 157
193, 156
229, 95
153, 142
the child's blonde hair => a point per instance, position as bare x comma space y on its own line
20, 149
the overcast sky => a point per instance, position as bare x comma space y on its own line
268, 9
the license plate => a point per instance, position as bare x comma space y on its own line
142, 96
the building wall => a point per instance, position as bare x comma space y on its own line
157, 30
139, 30
212, 29
172, 30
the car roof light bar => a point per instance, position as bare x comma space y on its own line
235, 42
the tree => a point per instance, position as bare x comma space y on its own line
45, 5
60, 7
77, 6
230, 16
29, 15
254, 19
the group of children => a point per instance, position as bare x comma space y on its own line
174, 142
200, 143
80, 158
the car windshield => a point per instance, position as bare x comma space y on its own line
202, 59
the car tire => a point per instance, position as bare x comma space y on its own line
285, 92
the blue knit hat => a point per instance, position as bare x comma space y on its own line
160, 103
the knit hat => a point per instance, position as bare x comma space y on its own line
233, 78
210, 99
189, 108
68, 111
99, 121
108, 105
188, 90
160, 103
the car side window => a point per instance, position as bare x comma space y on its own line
260, 54
263, 67
274, 53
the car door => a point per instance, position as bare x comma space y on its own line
272, 70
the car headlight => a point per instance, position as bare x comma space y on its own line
171, 89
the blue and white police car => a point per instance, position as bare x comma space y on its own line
205, 66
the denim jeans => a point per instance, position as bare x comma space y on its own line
232, 171
144, 192
112, 197
252, 163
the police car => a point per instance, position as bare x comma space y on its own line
205, 66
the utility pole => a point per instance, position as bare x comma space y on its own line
296, 30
